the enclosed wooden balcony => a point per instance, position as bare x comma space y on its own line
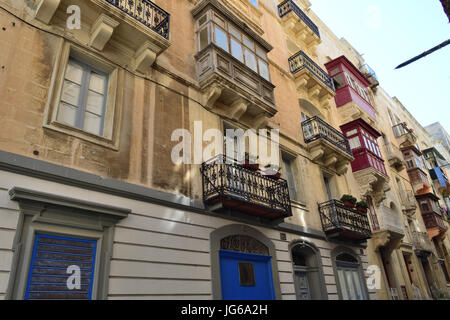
343, 223
353, 98
432, 214
327, 145
298, 25
233, 69
228, 186
311, 80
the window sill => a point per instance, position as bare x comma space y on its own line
83, 135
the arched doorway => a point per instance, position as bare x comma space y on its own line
350, 277
308, 276
243, 265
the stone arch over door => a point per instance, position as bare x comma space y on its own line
343, 255
306, 259
260, 243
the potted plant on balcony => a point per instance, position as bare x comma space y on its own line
251, 162
362, 206
272, 171
348, 200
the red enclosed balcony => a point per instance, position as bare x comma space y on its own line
351, 89
368, 166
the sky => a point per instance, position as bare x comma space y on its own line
389, 32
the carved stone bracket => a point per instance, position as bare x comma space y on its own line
372, 183
46, 10
102, 31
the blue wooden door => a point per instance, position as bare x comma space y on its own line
246, 276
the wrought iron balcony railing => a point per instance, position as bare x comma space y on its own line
402, 130
147, 13
342, 222
300, 61
230, 185
315, 128
287, 6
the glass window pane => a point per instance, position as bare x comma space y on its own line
263, 69
204, 41
67, 114
351, 287
250, 60
235, 33
92, 123
358, 284
74, 72
344, 289
97, 83
71, 93
236, 50
249, 43
221, 38
246, 274
94, 103
339, 80
355, 143
260, 52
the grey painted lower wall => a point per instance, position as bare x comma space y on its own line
158, 252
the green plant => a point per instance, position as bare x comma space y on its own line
348, 198
251, 157
362, 204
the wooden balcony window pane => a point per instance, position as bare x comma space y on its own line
221, 38
97, 83
250, 60
94, 103
236, 49
235, 33
263, 69
203, 38
249, 43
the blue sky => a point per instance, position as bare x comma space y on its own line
389, 32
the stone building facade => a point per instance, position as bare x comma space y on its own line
87, 181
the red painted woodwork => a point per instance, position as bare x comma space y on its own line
364, 145
346, 92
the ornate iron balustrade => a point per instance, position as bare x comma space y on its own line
300, 60
287, 6
315, 128
401, 130
344, 221
147, 13
228, 182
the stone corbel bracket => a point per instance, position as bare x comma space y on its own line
46, 10
102, 31
145, 56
